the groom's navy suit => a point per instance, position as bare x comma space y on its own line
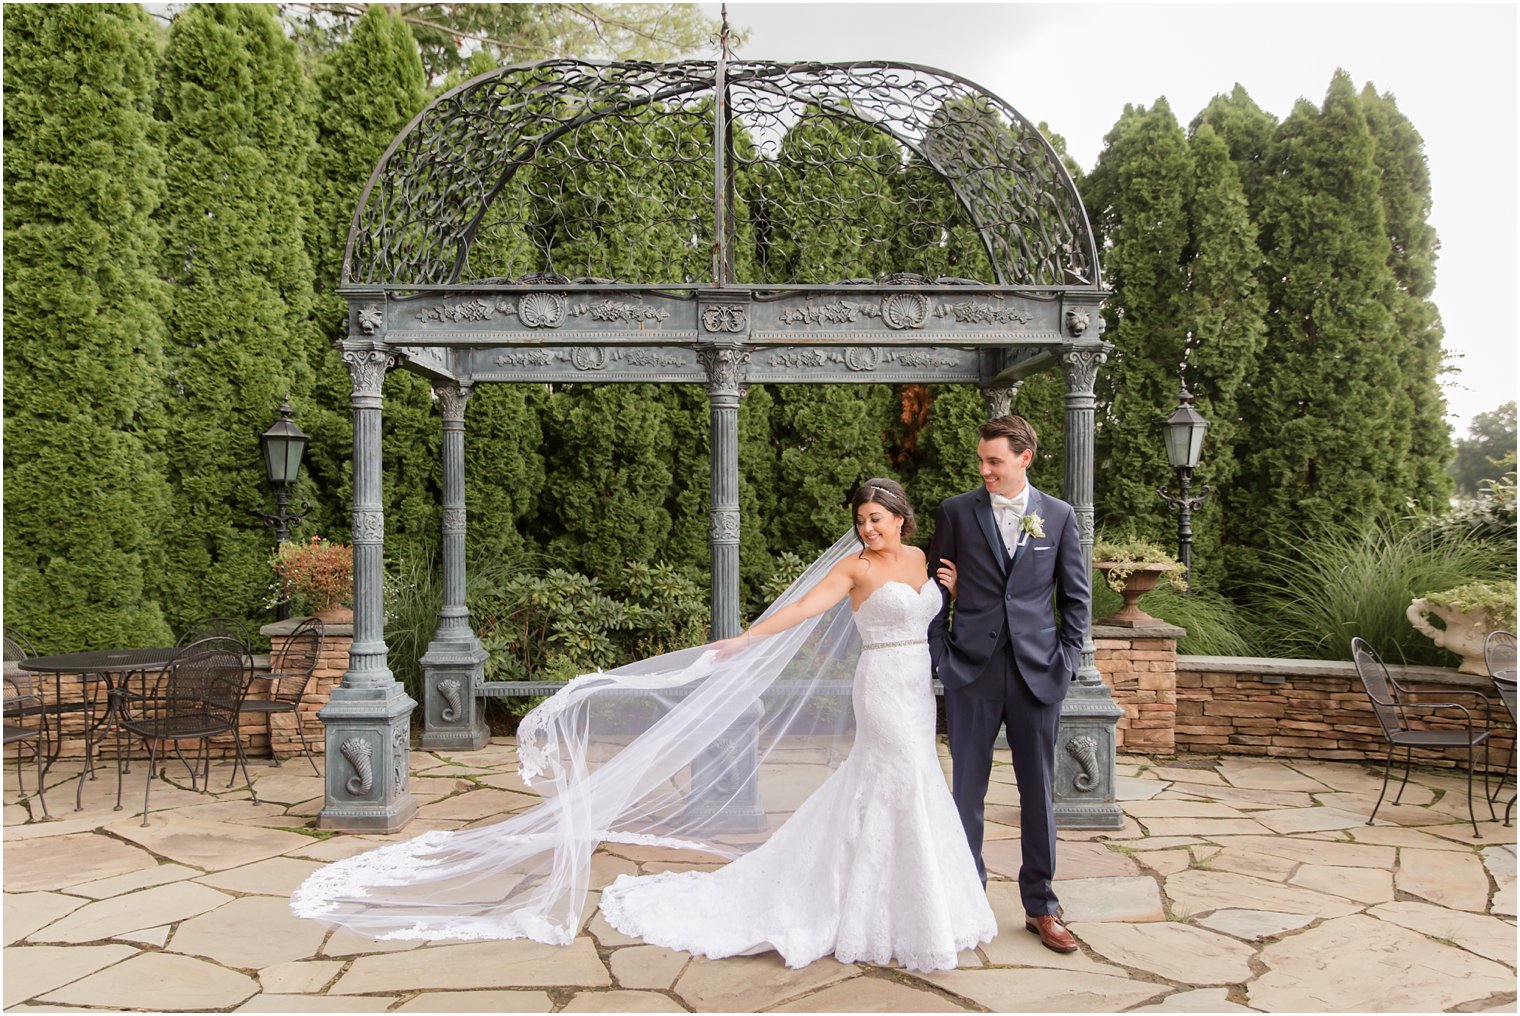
1004, 658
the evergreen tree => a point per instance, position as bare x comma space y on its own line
1224, 321
1247, 130
1488, 450
241, 336
1139, 193
1324, 445
1405, 190
85, 493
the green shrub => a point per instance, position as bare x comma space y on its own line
1359, 581
1214, 624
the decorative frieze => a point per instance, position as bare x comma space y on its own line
543, 311
590, 359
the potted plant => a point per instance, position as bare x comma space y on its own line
318, 577
1468, 612
1132, 567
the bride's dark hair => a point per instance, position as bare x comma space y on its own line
890, 495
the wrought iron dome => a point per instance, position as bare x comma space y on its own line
713, 172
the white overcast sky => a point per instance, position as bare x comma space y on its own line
1075, 65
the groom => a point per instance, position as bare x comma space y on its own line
1006, 554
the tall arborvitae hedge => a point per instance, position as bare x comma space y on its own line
1138, 196
1324, 444
1405, 190
1224, 321
85, 494
241, 336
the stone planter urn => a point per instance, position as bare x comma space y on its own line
1140, 579
1464, 633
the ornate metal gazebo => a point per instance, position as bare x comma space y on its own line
632, 222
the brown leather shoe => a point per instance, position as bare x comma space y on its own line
1053, 934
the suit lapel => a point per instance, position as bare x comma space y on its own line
982, 507
1031, 508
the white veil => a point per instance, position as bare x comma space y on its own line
682, 751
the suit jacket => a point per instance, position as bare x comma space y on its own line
1002, 602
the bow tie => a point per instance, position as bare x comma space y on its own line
1016, 503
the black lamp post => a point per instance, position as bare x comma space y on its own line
283, 445
1184, 431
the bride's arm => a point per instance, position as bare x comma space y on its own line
834, 586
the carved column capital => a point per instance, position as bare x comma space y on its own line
1080, 365
724, 364
366, 370
453, 396
999, 399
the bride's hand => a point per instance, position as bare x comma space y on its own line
946, 575
728, 647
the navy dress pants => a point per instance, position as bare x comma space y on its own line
974, 715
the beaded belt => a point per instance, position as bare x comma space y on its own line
894, 645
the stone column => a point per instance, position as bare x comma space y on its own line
1085, 778
454, 663
368, 718
724, 364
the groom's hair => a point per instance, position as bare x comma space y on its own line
1018, 431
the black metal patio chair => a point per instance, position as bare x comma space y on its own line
195, 698
1391, 702
20, 706
290, 670
1499, 656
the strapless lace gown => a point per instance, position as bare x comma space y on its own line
873, 867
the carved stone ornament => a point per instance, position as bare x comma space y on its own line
1084, 749
724, 317
628, 314
723, 367
1085, 530
905, 310
981, 312
359, 754
452, 399
370, 318
1077, 322
366, 369
401, 760
369, 525
860, 358
589, 358
453, 521
999, 400
448, 690
1081, 369
723, 525
542, 310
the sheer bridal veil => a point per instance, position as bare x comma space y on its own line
682, 752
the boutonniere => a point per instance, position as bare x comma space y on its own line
1033, 525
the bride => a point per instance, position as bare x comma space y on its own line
721, 750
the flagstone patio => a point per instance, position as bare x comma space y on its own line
1235, 885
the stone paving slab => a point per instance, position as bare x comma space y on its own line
1488, 937
162, 982
278, 876
753, 983
149, 908
1359, 963
348, 943
1135, 898
1406, 814
210, 846
155, 937
1048, 990
27, 912
1197, 1000
1351, 855
478, 804
1200, 891
317, 1003
1253, 862
478, 1001
1171, 807
1364, 885
647, 966
622, 1001
1249, 800
1174, 951
1254, 925
476, 965
65, 861
1129, 788
254, 931
1309, 820
1454, 880
1256, 775
871, 994
163, 874
35, 970
1165, 862
1209, 828
298, 978
1016, 947
1392, 836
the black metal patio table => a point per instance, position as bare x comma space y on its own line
113, 667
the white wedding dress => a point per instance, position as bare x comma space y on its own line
873, 867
